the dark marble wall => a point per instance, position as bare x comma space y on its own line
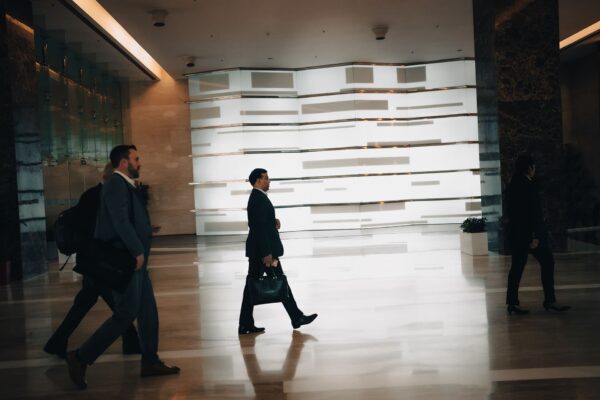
519, 102
580, 89
23, 236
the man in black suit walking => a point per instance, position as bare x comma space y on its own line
263, 249
87, 209
124, 221
528, 234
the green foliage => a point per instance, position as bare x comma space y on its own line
473, 225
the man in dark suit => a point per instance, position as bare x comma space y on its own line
263, 249
87, 209
123, 220
528, 234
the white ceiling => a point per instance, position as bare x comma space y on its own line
290, 33
296, 33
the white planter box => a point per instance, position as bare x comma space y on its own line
475, 244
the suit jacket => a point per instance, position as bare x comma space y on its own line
123, 218
526, 221
263, 238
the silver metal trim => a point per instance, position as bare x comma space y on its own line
245, 95
389, 224
285, 130
473, 214
457, 104
297, 151
443, 60
337, 121
320, 179
342, 204
269, 112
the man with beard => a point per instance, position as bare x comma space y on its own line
123, 220
87, 207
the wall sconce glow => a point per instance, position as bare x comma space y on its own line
102, 19
581, 35
20, 24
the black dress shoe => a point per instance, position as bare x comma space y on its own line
555, 307
517, 310
304, 320
242, 330
76, 369
159, 368
55, 349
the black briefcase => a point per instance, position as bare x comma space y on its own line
106, 264
269, 288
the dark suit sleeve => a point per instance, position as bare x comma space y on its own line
538, 226
117, 198
259, 222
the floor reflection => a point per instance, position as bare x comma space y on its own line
270, 383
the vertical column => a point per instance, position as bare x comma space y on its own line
518, 98
23, 222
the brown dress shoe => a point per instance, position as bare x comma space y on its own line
157, 369
76, 369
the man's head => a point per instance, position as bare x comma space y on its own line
107, 172
525, 165
124, 158
259, 179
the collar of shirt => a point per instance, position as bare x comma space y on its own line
260, 190
128, 179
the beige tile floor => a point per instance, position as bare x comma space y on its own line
402, 315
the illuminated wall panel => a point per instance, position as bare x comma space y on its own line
347, 147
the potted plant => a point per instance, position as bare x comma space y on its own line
473, 238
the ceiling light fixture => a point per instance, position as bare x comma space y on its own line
92, 12
159, 17
581, 35
380, 31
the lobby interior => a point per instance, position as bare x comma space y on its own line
383, 125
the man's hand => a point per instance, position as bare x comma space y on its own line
277, 224
139, 261
534, 244
268, 260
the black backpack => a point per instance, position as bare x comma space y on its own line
68, 231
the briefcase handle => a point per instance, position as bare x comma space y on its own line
268, 274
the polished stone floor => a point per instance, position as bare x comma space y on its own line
402, 315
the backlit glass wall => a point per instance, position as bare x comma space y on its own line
347, 147
79, 104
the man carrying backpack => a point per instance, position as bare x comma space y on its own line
84, 219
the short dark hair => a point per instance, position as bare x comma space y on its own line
523, 162
120, 152
256, 174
